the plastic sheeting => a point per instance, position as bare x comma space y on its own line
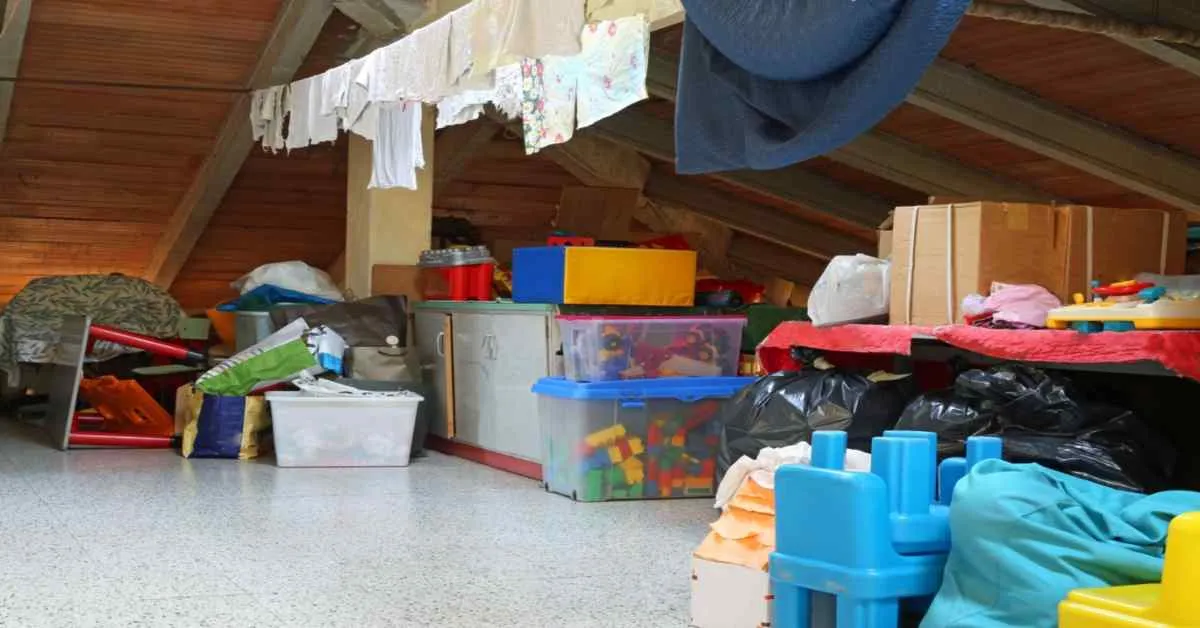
1045, 419
786, 408
814, 75
1073, 534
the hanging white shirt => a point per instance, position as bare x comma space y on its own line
398, 150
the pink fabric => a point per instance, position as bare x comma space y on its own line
1025, 304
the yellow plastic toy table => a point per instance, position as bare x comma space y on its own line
1172, 604
1161, 314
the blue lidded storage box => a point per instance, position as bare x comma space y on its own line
632, 439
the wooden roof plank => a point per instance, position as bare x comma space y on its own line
981, 102
1179, 14
296, 30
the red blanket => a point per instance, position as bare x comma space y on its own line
1178, 351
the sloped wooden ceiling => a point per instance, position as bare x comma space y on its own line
90, 171
282, 206
116, 105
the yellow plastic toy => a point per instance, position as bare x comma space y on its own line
1126, 306
1172, 604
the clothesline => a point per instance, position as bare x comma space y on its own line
558, 65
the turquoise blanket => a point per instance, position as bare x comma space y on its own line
1024, 536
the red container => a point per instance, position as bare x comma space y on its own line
472, 282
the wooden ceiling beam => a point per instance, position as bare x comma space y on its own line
1182, 14
455, 147
655, 138
766, 223
385, 19
296, 30
14, 23
1018, 117
599, 162
886, 156
751, 255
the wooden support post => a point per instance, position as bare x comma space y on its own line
386, 227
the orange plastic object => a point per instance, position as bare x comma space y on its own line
225, 324
127, 407
1171, 604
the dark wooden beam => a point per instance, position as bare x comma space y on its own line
655, 138
770, 260
770, 224
455, 147
1018, 117
14, 23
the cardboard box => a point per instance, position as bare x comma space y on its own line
729, 596
885, 237
961, 249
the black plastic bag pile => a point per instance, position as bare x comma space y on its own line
785, 408
1045, 419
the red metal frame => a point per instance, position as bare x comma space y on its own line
86, 428
492, 459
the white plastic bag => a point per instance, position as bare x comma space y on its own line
852, 288
296, 276
762, 468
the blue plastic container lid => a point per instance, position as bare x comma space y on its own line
681, 388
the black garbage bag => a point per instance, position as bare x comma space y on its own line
1044, 418
785, 408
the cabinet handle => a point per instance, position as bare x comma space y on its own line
440, 344
492, 349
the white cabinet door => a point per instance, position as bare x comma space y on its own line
434, 348
518, 350
473, 390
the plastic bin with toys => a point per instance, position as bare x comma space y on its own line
640, 439
609, 348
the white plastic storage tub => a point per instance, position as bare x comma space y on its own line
608, 348
640, 439
328, 431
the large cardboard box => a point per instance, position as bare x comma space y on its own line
942, 253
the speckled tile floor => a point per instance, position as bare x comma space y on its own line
145, 538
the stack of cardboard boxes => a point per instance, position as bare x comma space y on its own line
942, 253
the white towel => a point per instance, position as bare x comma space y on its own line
299, 119
613, 72
506, 31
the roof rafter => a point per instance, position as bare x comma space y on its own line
296, 30
1009, 113
14, 23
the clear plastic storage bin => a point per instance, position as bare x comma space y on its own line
327, 431
641, 439
608, 348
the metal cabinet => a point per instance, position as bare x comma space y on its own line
433, 337
487, 357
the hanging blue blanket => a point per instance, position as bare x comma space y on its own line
767, 83
1025, 536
